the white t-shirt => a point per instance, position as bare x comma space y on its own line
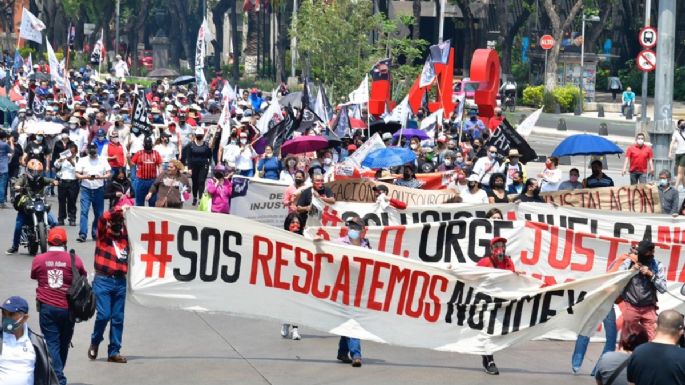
80, 137
551, 179
168, 152
244, 160
680, 141
479, 197
485, 167
65, 169
97, 167
230, 154
136, 143
18, 359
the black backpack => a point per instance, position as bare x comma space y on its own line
80, 295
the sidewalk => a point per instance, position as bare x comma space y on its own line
551, 132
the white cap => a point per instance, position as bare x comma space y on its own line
199, 131
473, 178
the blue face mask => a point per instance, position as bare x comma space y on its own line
353, 234
9, 325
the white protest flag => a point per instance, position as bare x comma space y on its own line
432, 121
427, 74
361, 94
526, 127
271, 113
28, 65
225, 117
202, 87
30, 27
400, 113
255, 270
57, 71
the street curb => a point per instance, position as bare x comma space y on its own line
551, 132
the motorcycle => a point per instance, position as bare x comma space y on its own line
34, 232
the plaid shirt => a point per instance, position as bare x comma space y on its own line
106, 260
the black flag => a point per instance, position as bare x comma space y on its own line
140, 119
307, 117
341, 127
278, 133
505, 138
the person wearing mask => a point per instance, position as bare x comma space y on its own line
497, 193
197, 155
408, 178
572, 183
244, 162
496, 258
615, 86
170, 187
487, 165
660, 361
165, 149
109, 285
350, 349
510, 166
640, 158
148, 165
292, 223
37, 149
25, 358
474, 126
677, 150
460, 182
175, 138
668, 196
380, 192
136, 142
269, 167
289, 197
5, 156
61, 145
123, 131
220, 189
115, 153
474, 194
120, 68
68, 188
326, 161
531, 192
288, 172
496, 120
640, 294
516, 186
627, 99
78, 135
415, 146
119, 187
53, 271
448, 162
92, 171
318, 191
611, 366
550, 176
100, 140
100, 123
17, 154
598, 178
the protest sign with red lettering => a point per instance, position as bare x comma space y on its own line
360, 190
201, 261
640, 198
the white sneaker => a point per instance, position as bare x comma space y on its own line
285, 330
296, 335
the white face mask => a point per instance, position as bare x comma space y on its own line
448, 162
413, 146
243, 140
640, 142
327, 161
115, 140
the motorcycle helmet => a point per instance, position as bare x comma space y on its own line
34, 170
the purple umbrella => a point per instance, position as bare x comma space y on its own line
410, 133
303, 144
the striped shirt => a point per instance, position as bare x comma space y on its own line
146, 164
111, 253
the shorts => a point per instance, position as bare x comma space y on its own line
680, 160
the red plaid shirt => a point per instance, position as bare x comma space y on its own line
146, 164
107, 260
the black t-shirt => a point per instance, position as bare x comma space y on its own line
657, 364
37, 151
306, 195
198, 155
505, 199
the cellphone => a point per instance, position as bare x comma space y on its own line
92, 177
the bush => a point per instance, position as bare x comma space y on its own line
567, 97
533, 96
548, 102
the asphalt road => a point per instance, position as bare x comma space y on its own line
176, 347
588, 124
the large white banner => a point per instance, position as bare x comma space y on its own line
211, 262
30, 27
260, 200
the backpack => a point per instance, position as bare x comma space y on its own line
80, 295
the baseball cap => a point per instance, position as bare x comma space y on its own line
199, 131
15, 304
473, 178
380, 188
355, 221
387, 136
57, 236
644, 246
92, 146
497, 239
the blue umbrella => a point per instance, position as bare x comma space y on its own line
389, 157
586, 144
410, 133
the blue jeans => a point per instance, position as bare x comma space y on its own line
19, 223
248, 173
110, 298
95, 198
350, 345
142, 187
133, 177
57, 329
3, 186
609, 323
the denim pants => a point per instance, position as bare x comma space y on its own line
142, 187
19, 223
349, 345
638, 177
110, 298
133, 176
609, 323
57, 329
4, 177
248, 173
96, 199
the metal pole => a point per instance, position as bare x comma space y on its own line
645, 75
116, 30
582, 64
293, 44
545, 75
441, 25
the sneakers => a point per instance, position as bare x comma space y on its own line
285, 330
296, 334
12, 250
93, 352
345, 359
81, 238
490, 367
357, 363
